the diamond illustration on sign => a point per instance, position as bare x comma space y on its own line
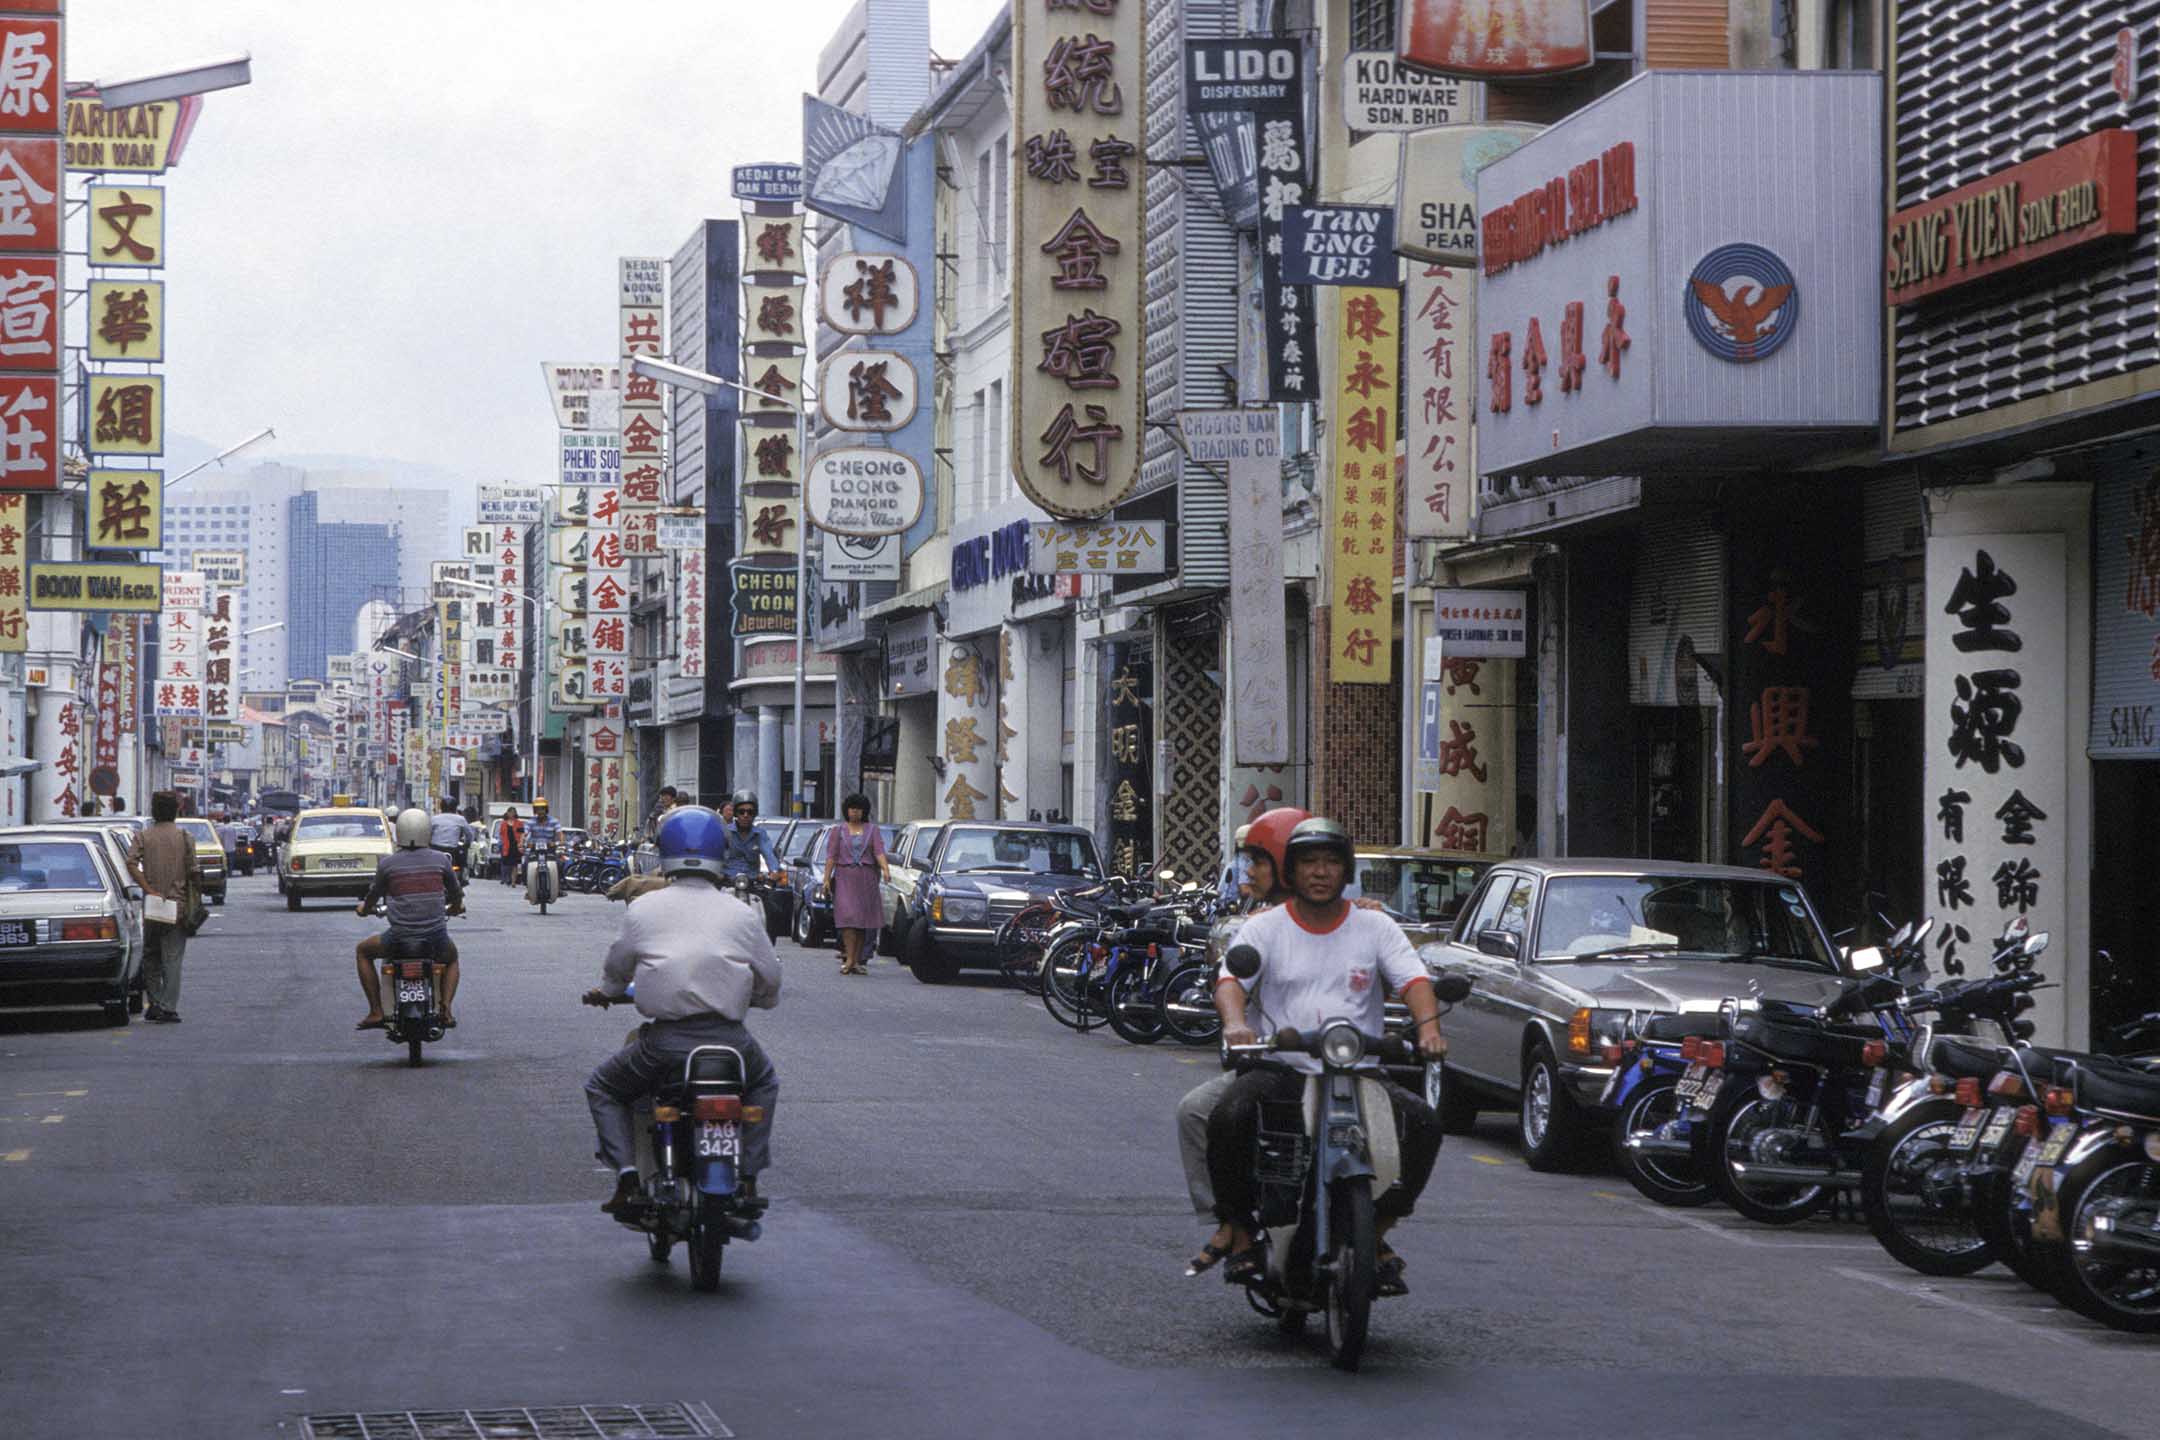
1742, 303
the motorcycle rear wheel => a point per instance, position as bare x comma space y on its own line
1668, 1179
412, 1051
658, 1243
708, 1245
1740, 1109
1188, 1007
1908, 1210
1134, 1014
1355, 1259
2121, 1289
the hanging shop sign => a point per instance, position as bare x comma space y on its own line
776, 245
690, 612
1481, 624
851, 170
1101, 547
1361, 508
590, 458
1997, 798
771, 458
1079, 229
761, 600
1339, 245
220, 569
30, 179
857, 491
127, 509
1379, 92
867, 294
1285, 177
14, 576
859, 557
773, 314
2070, 197
910, 656
1459, 37
780, 182
679, 531
221, 697
573, 390
1127, 757
127, 320
777, 381
1438, 329
1436, 188
1248, 445
511, 505
30, 432
770, 526
127, 223
95, 585
2126, 615
1242, 75
1624, 321
147, 138
127, 414
30, 313
1231, 142
873, 390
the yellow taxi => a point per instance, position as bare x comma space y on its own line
332, 851
210, 855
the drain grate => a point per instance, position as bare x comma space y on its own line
694, 1421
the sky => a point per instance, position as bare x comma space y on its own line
374, 246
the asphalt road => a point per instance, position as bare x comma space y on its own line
217, 1228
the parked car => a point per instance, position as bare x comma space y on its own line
811, 919
1423, 889
903, 864
332, 852
974, 879
70, 922
210, 854
1560, 953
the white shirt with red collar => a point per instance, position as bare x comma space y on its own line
1308, 977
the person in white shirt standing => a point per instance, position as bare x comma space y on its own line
700, 960
1322, 959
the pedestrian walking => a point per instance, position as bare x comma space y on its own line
854, 864
513, 844
163, 862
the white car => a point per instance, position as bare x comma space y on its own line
70, 921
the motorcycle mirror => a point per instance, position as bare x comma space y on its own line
1452, 989
2034, 944
1243, 961
1922, 931
1167, 876
2017, 929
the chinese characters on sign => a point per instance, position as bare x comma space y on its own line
1469, 39
1128, 760
176, 689
1080, 111
643, 415
14, 551
32, 291
1438, 476
30, 313
1997, 794
690, 612
1361, 500
127, 414
127, 320
29, 432
221, 692
1109, 547
1248, 445
869, 294
127, 224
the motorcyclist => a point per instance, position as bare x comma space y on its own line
543, 836
700, 959
420, 890
748, 850
1322, 959
449, 833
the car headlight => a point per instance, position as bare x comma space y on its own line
966, 909
1342, 1046
1590, 1032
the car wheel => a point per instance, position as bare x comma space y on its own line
117, 1012
135, 999
218, 899
1451, 1100
923, 960
888, 939
1546, 1117
292, 899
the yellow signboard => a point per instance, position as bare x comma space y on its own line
1361, 498
127, 320
96, 585
127, 225
773, 314
127, 509
127, 137
14, 547
127, 414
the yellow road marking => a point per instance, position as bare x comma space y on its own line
15, 1157
1607, 1195
1487, 1160
52, 1119
29, 1094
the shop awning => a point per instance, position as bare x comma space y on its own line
911, 602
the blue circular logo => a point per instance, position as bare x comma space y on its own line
1742, 303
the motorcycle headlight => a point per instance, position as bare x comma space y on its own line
1342, 1046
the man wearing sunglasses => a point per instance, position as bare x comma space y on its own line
747, 850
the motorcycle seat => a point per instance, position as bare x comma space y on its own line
1966, 1062
2106, 1085
1675, 1028
1805, 1044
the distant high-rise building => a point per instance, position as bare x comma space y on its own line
249, 519
334, 569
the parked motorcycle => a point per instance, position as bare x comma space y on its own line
1319, 1167
690, 1139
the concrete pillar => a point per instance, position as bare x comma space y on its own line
56, 740
771, 758
914, 789
967, 728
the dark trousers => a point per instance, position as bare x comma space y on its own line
654, 1058
1235, 1124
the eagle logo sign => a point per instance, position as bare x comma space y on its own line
1742, 303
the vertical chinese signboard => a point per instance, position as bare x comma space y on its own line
14, 554
1128, 758
1078, 230
221, 697
1997, 793
690, 612
31, 182
509, 553
178, 689
607, 602
1361, 501
644, 413
111, 688
1438, 478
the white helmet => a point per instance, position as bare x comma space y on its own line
413, 829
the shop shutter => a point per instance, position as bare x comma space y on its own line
2126, 605
1677, 608
1893, 545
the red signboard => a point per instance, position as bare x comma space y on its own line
30, 313
2084, 192
29, 432
30, 76
29, 194
1477, 40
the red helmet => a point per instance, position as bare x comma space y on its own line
1271, 832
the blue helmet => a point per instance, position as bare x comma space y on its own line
691, 841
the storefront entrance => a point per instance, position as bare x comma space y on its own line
2125, 901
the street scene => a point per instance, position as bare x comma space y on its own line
1201, 716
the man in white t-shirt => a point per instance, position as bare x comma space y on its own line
1322, 959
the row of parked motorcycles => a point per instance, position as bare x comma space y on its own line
1128, 953
1962, 1144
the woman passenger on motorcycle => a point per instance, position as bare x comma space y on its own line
701, 961
1321, 959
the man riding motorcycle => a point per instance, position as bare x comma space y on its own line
543, 835
449, 833
1322, 959
700, 959
420, 890
748, 850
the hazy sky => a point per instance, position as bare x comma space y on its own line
375, 245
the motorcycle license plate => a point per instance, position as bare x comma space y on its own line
2027, 1163
2058, 1141
1875, 1088
1998, 1128
719, 1140
1712, 1083
412, 992
1968, 1130
1690, 1083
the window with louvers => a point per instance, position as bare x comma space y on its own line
1967, 108
1372, 25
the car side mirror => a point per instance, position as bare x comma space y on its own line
1500, 944
1243, 961
1452, 989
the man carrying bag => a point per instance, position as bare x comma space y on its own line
164, 863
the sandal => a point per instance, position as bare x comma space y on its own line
1388, 1276
376, 1024
1247, 1266
1209, 1257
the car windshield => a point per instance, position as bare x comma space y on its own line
48, 865
1042, 852
1683, 914
801, 842
1431, 891
339, 827
200, 830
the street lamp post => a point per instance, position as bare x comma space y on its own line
532, 725
684, 377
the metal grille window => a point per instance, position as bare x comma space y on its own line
1372, 25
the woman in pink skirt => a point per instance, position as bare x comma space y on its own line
854, 864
